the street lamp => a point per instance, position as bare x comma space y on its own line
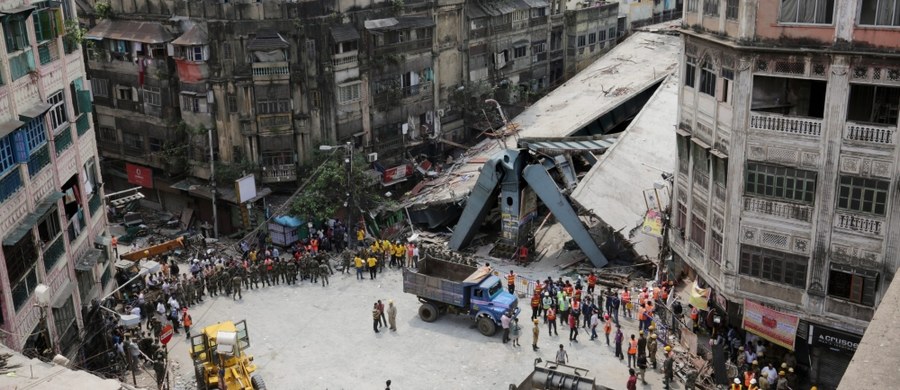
348, 147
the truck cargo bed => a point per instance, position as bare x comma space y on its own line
439, 280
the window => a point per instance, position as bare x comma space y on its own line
711, 7
681, 217
519, 52
57, 112
21, 258
519, 15
581, 40
193, 103
48, 227
774, 266
708, 78
108, 134
133, 140
16, 32
731, 9
592, 38
35, 133
611, 33
232, 103
698, 231
601, 36
539, 12
727, 80
348, 93
785, 183
155, 144
692, 5
100, 87
46, 24
855, 285
273, 106
863, 195
226, 51
64, 319
715, 248
690, 70
152, 96
194, 53
124, 92
684, 150
880, 13
806, 11
7, 154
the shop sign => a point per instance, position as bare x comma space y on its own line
770, 324
142, 176
833, 339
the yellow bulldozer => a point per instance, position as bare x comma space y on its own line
220, 360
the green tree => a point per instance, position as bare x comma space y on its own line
327, 192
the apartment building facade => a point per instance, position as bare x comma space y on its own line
785, 196
51, 212
273, 80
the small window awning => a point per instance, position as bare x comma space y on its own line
63, 294
18, 10
718, 153
88, 259
702, 144
537, 3
127, 30
31, 219
344, 33
36, 110
266, 41
400, 23
192, 37
682, 132
9, 126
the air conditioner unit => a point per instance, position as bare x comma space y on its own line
372, 157
441, 113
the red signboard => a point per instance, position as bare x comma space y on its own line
396, 174
166, 334
142, 176
773, 325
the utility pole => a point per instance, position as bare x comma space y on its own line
212, 181
351, 232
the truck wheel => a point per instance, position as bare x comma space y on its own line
428, 312
257, 382
487, 326
200, 373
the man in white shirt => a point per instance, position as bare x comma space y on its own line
561, 356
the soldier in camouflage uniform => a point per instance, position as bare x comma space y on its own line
345, 262
212, 283
323, 273
236, 284
291, 272
279, 270
264, 274
252, 277
225, 281
198, 288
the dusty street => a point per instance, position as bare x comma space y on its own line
313, 337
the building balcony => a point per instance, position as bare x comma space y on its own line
48, 51
345, 60
393, 97
271, 71
54, 252
783, 210
859, 223
278, 173
870, 134
804, 126
404, 47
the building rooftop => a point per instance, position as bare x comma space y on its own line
613, 188
634, 65
35, 374
874, 364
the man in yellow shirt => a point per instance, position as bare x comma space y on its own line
373, 267
358, 262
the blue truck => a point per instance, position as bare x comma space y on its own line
447, 287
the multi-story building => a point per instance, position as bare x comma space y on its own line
273, 80
786, 189
51, 213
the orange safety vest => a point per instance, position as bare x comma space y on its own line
592, 280
632, 347
641, 315
735, 386
186, 320
511, 279
748, 375
626, 296
538, 288
535, 300
695, 314
551, 314
576, 305
114, 242
607, 326
568, 290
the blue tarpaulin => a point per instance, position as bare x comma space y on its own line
286, 220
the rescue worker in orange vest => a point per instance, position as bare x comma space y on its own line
551, 321
748, 376
535, 304
607, 326
626, 303
114, 243
632, 351
511, 282
641, 317
592, 281
523, 254
753, 386
695, 318
736, 385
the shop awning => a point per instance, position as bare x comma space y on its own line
344, 33
88, 259
9, 126
18, 10
126, 30
36, 110
192, 37
223, 193
22, 228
